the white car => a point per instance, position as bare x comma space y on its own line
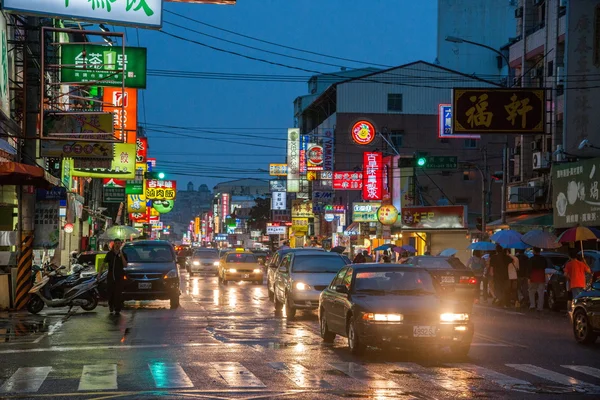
204, 261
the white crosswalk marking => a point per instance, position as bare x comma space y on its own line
369, 378
298, 374
169, 375
595, 372
566, 380
98, 377
26, 380
451, 379
236, 375
504, 381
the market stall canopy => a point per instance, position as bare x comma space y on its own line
14, 173
524, 222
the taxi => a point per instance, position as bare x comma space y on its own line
240, 265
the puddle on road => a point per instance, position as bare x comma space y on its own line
12, 330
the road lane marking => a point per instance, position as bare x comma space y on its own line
113, 347
367, 377
451, 379
40, 338
300, 375
595, 372
504, 381
576, 384
98, 377
236, 375
26, 380
490, 345
169, 375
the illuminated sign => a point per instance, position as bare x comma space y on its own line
278, 201
122, 165
293, 160
372, 176
347, 180
434, 217
161, 190
328, 147
363, 132
141, 150
302, 209
445, 124
365, 212
224, 205
276, 230
278, 169
123, 105
314, 158
387, 214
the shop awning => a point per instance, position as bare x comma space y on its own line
524, 222
14, 173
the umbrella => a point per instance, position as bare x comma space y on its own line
541, 239
506, 236
448, 252
338, 249
398, 249
386, 246
517, 246
579, 234
409, 248
482, 246
122, 232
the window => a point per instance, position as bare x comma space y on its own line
466, 176
316, 264
348, 278
397, 138
470, 143
339, 279
148, 253
241, 258
395, 102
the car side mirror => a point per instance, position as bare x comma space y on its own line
283, 269
341, 289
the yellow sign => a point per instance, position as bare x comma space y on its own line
161, 190
300, 224
141, 167
278, 169
136, 203
387, 214
302, 209
197, 226
122, 165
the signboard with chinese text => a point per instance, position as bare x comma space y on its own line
293, 160
278, 201
328, 151
123, 105
278, 169
488, 110
225, 205
386, 180
434, 217
6, 66
314, 158
138, 217
113, 194
160, 190
303, 148
363, 132
300, 224
365, 212
302, 209
276, 185
445, 124
372, 176
576, 193
441, 162
78, 125
103, 65
141, 150
387, 214
136, 203
347, 180
122, 165
276, 230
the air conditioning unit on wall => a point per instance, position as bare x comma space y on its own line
540, 160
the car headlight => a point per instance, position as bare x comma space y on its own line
196, 263
383, 317
232, 270
452, 317
302, 286
257, 270
171, 274
216, 263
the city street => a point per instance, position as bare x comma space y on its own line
226, 342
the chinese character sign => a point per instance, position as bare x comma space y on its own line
347, 180
302, 209
161, 190
123, 105
278, 169
141, 150
278, 201
491, 110
224, 205
372, 176
434, 217
365, 212
445, 124
328, 147
576, 193
293, 160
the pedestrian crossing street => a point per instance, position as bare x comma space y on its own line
402, 377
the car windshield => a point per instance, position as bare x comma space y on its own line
148, 253
318, 264
241, 258
404, 281
213, 255
440, 263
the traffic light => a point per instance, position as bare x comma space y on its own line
154, 175
421, 161
479, 225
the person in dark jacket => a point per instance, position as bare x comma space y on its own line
499, 264
523, 277
115, 261
359, 258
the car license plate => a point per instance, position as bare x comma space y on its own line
424, 331
447, 279
144, 285
246, 276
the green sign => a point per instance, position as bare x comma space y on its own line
134, 187
114, 194
104, 65
439, 162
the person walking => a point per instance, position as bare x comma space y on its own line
359, 258
575, 270
537, 280
523, 277
513, 283
368, 257
115, 261
499, 264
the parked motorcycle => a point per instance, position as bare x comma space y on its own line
83, 292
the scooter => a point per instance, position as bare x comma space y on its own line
83, 294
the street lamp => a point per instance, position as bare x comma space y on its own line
454, 39
586, 143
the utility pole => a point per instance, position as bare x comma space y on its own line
504, 201
484, 193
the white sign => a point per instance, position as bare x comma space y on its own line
139, 13
293, 160
276, 230
278, 201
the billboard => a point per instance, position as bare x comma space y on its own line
278, 201
348, 180
136, 204
365, 212
122, 165
293, 160
76, 149
445, 124
302, 209
141, 150
372, 176
278, 169
490, 110
161, 190
78, 125
363, 132
434, 217
123, 105
142, 14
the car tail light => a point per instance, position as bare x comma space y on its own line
468, 280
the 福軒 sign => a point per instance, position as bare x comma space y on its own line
372, 176
302, 209
137, 13
302, 153
347, 180
363, 132
445, 124
161, 190
276, 230
293, 160
433, 217
278, 201
278, 169
113, 194
365, 212
104, 65
487, 110
123, 105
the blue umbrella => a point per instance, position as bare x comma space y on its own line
506, 236
386, 246
448, 252
483, 246
517, 246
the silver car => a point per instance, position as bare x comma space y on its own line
206, 261
301, 277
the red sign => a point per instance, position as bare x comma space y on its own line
347, 180
114, 182
224, 205
434, 217
363, 132
124, 106
372, 176
387, 179
141, 150
160, 190
314, 158
140, 218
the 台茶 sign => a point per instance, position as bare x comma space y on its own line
138, 13
160, 190
104, 65
491, 110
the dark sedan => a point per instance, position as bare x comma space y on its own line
585, 315
151, 272
392, 305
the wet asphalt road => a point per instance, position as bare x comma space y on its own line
228, 343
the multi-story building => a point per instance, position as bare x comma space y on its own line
189, 204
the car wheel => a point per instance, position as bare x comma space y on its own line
290, 310
174, 302
354, 343
35, 305
582, 329
460, 350
326, 334
278, 305
552, 303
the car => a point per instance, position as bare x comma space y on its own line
182, 255
393, 306
275, 262
151, 272
240, 266
203, 260
301, 277
262, 255
557, 290
449, 271
584, 314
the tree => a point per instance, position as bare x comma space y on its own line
260, 214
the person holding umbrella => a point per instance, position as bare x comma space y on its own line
499, 264
575, 270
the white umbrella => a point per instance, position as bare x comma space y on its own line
541, 239
122, 232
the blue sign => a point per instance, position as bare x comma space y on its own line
445, 124
56, 193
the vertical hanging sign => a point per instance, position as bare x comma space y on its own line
372, 176
293, 160
328, 150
